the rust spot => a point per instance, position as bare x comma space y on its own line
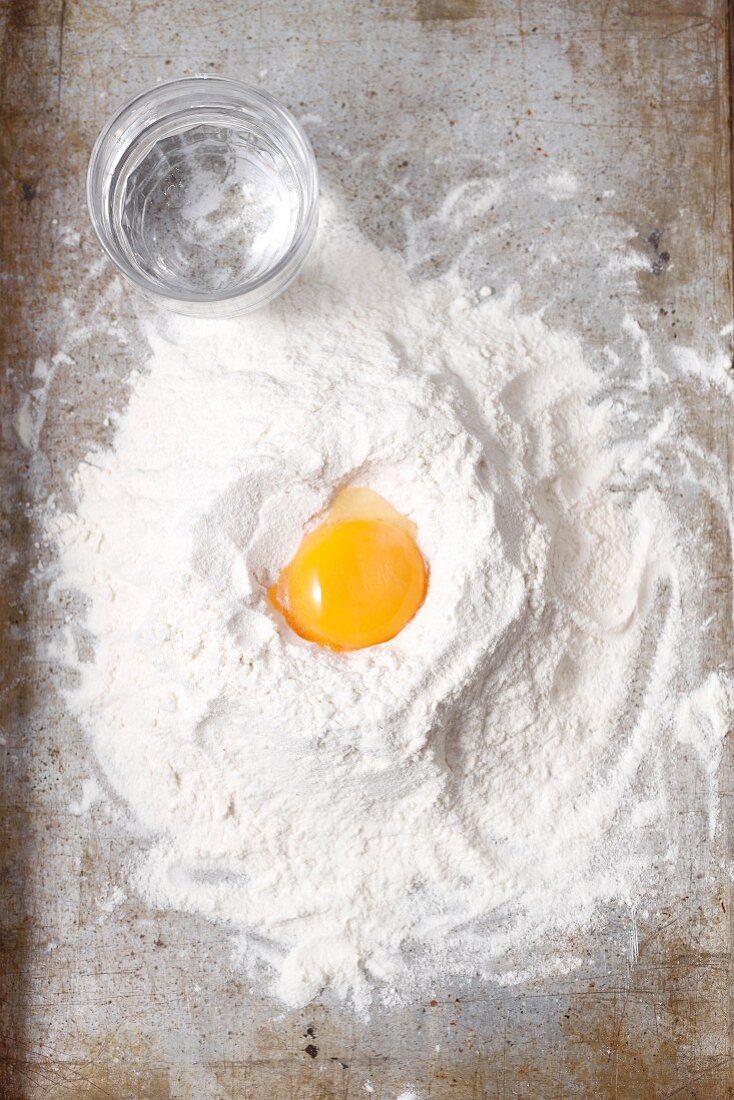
575, 55
661, 258
451, 10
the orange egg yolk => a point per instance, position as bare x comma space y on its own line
357, 579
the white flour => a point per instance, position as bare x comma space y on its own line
451, 802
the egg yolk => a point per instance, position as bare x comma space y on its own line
357, 579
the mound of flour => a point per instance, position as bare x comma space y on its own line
445, 803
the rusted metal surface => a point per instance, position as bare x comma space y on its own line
404, 99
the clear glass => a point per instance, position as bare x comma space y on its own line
204, 193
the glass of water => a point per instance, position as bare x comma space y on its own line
204, 193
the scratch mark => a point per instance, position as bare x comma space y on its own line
62, 21
713, 1068
633, 941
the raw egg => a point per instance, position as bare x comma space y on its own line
357, 579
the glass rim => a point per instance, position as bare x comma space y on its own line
311, 190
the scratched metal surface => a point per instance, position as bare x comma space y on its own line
404, 99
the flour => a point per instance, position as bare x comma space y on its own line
561, 185
450, 803
31, 413
91, 793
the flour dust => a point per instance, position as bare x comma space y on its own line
459, 801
